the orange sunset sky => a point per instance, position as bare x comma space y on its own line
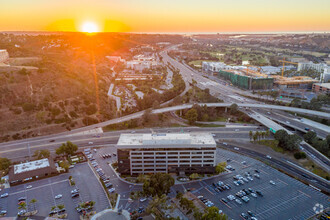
166, 15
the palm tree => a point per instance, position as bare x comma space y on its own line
61, 206
251, 135
267, 133
22, 205
53, 208
33, 202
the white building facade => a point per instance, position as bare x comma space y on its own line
166, 153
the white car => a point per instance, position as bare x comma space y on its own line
4, 195
272, 182
236, 148
269, 157
90, 142
29, 187
112, 190
224, 143
143, 199
287, 122
58, 196
236, 129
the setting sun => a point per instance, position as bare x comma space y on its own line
89, 27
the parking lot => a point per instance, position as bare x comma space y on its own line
45, 190
122, 188
287, 199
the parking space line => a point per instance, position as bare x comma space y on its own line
283, 182
37, 187
209, 190
225, 204
273, 207
305, 194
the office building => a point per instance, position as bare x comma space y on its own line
168, 153
321, 88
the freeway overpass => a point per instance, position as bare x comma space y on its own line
247, 105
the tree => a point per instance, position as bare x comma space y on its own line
233, 108
221, 167
60, 206
251, 135
39, 154
213, 214
191, 116
194, 176
4, 163
158, 184
292, 142
309, 136
33, 202
282, 137
67, 148
179, 195
157, 202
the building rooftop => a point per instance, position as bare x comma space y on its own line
166, 139
324, 85
29, 166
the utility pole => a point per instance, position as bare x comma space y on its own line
28, 145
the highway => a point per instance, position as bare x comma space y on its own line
233, 95
20, 149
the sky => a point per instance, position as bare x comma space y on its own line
167, 15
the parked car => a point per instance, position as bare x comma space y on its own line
58, 196
143, 199
259, 193
73, 195
111, 190
238, 201
268, 156
4, 195
244, 216
272, 182
29, 187
224, 200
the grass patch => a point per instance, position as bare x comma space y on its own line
198, 62
310, 165
208, 125
272, 144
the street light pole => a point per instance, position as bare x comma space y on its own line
29, 151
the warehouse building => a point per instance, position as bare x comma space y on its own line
168, 153
33, 170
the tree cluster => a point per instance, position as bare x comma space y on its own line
158, 184
67, 148
321, 145
287, 141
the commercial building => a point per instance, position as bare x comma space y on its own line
321, 88
167, 153
319, 67
4, 56
37, 169
241, 80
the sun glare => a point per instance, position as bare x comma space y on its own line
89, 27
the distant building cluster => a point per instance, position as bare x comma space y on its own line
166, 153
257, 78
